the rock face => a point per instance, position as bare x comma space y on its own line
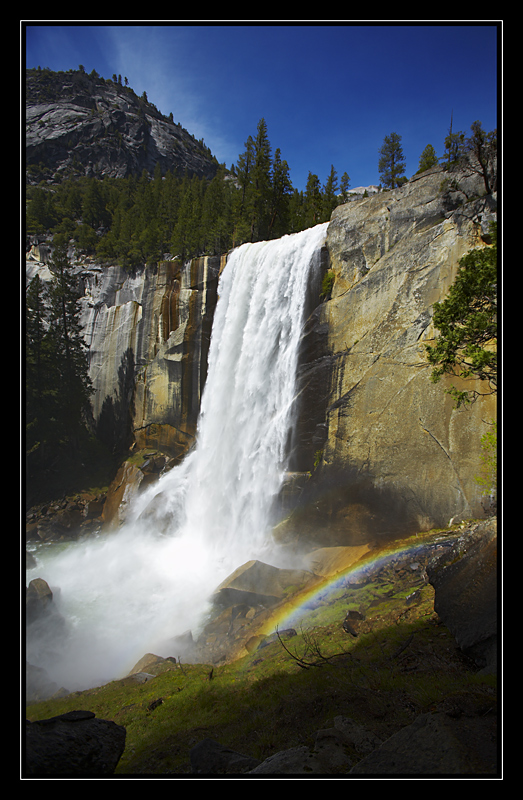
388, 452
395, 455
148, 335
79, 124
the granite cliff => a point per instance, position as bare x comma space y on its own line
394, 455
148, 335
379, 449
84, 125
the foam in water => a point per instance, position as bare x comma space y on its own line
128, 593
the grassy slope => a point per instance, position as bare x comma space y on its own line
402, 663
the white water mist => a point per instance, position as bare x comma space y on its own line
128, 593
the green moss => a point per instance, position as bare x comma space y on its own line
327, 284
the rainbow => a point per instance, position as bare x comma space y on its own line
296, 610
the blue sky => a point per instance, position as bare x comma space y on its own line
329, 91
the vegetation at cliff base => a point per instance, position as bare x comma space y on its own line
57, 383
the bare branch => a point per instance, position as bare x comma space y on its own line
312, 649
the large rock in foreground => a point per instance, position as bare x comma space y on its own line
73, 744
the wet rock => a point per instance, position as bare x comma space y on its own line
256, 583
38, 599
327, 561
138, 677
123, 488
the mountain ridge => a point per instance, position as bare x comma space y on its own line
85, 125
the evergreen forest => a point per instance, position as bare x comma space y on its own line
142, 219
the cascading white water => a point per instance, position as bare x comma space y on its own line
126, 594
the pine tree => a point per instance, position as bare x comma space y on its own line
454, 146
186, 240
261, 184
313, 201
330, 200
69, 365
467, 323
216, 221
392, 162
281, 191
482, 151
427, 159
93, 206
241, 213
344, 187
37, 356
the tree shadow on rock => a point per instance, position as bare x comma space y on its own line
114, 427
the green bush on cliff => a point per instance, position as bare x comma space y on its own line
467, 322
326, 285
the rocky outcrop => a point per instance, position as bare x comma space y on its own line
434, 744
64, 520
148, 334
465, 580
79, 124
394, 454
75, 744
256, 583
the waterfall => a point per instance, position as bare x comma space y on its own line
127, 593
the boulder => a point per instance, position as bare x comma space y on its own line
328, 561
265, 641
209, 757
256, 583
38, 599
466, 592
74, 744
149, 660
121, 491
361, 739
